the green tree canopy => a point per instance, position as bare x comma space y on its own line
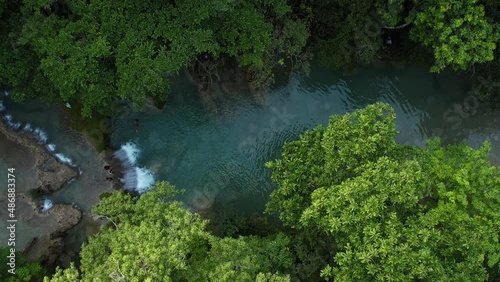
97, 52
25, 271
458, 32
395, 213
153, 238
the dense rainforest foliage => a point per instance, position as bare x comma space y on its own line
356, 206
93, 53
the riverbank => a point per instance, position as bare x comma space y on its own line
55, 165
40, 233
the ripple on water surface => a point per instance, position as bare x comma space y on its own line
218, 154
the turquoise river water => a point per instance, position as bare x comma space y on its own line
217, 153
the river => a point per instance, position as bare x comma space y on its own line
217, 153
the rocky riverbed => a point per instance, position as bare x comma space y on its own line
38, 233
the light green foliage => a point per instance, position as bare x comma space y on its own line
272, 277
395, 213
327, 157
150, 238
241, 259
153, 238
457, 31
67, 275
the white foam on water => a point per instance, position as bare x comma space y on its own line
10, 123
46, 204
145, 179
28, 128
135, 178
128, 154
16, 125
64, 159
51, 147
6, 93
40, 135
68, 105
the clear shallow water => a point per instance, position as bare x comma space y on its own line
217, 153
68, 146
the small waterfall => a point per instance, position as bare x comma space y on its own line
16, 125
145, 179
8, 119
46, 204
128, 154
64, 159
135, 178
2, 107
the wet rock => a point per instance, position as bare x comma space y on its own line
49, 173
52, 175
42, 232
66, 217
36, 169
49, 246
150, 103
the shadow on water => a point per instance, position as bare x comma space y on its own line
219, 155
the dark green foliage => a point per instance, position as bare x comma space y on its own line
105, 195
93, 53
226, 222
36, 194
24, 271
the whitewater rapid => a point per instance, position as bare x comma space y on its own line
135, 178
